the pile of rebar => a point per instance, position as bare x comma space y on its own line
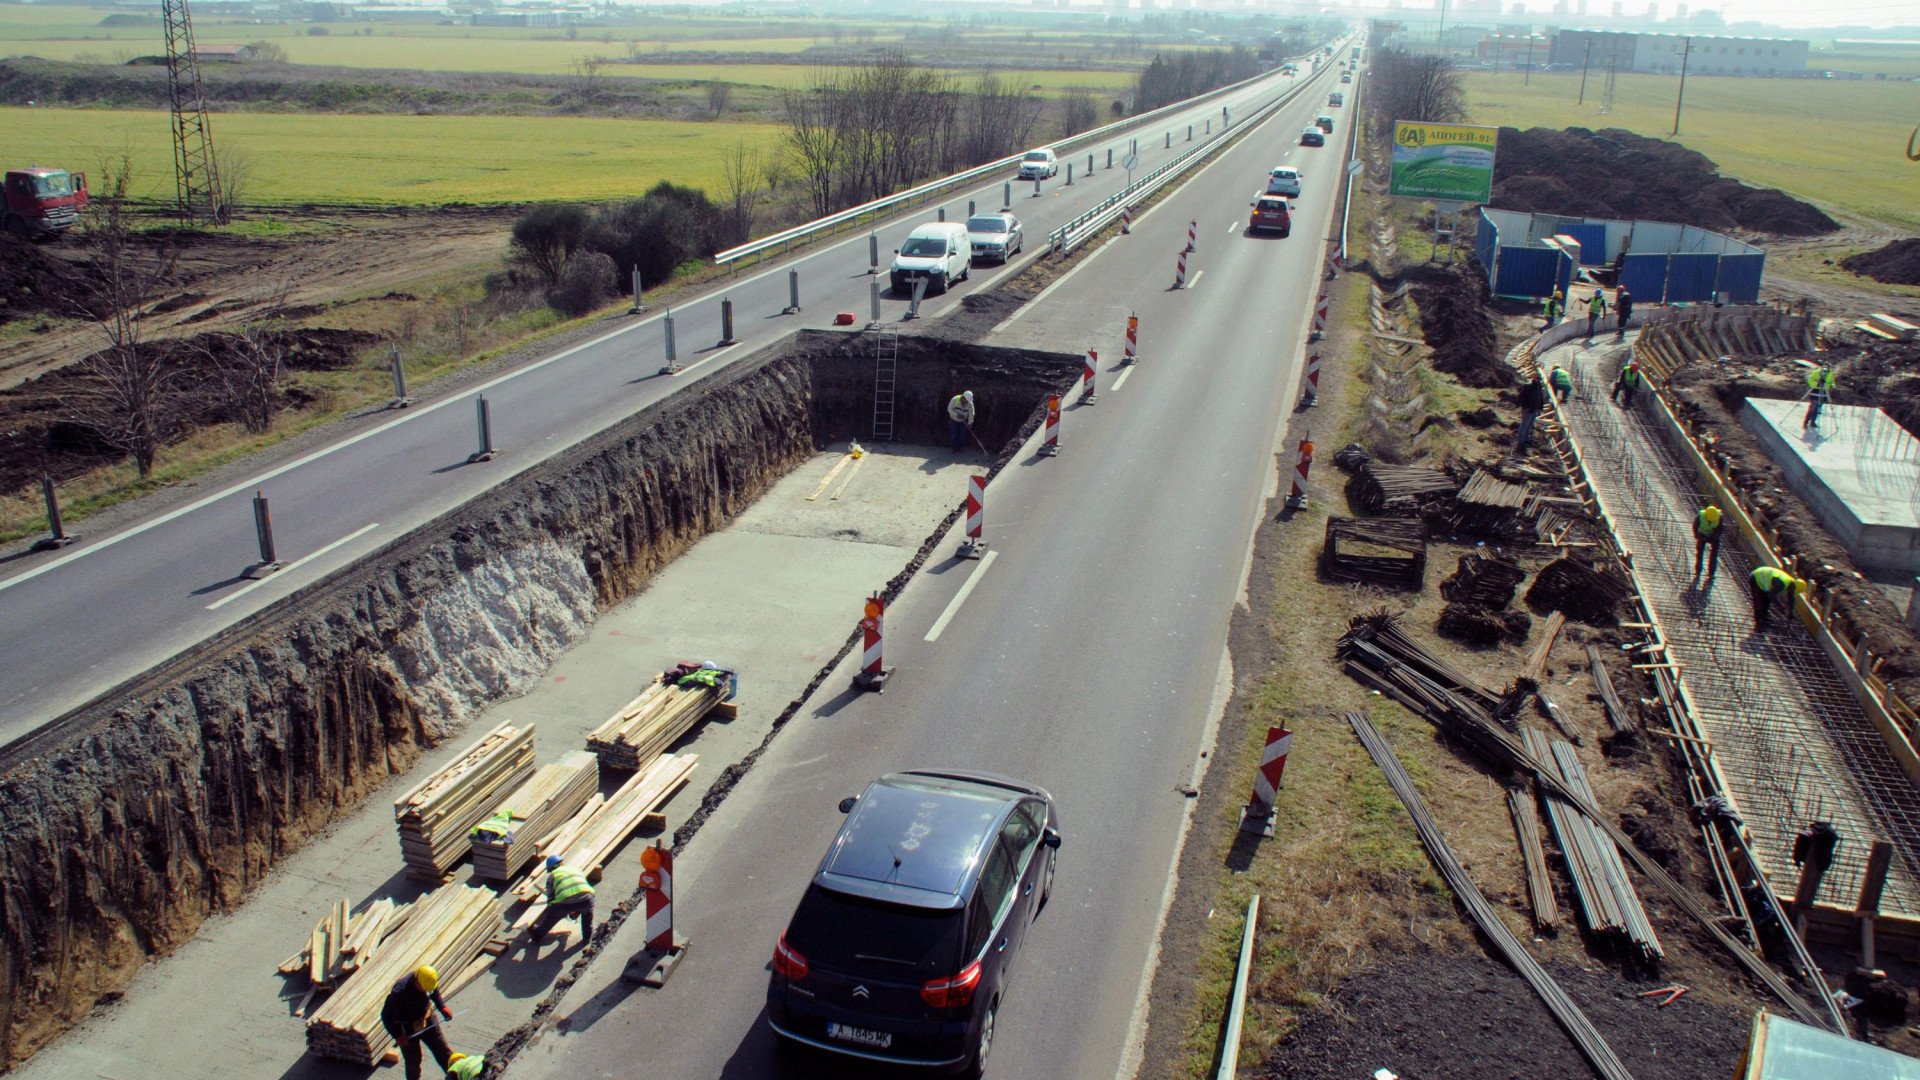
1585, 591
1483, 580
1489, 506
1379, 488
1533, 857
1483, 626
1380, 551
1617, 718
1604, 894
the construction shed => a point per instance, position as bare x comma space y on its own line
1530, 255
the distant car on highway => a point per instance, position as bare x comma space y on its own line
995, 237
1283, 180
1038, 165
1336, 99
900, 948
1313, 136
1346, 78
1324, 123
1271, 212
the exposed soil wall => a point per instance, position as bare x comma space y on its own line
125, 824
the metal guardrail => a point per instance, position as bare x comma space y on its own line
877, 206
1237, 1004
1068, 237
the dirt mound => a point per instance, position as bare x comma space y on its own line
1617, 174
1458, 327
1896, 264
32, 282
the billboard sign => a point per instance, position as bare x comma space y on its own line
1443, 161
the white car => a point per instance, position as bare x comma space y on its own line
1038, 165
995, 237
1284, 180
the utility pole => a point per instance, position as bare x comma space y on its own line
1584, 65
1686, 50
1440, 39
1527, 79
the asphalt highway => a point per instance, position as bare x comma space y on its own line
1087, 654
76, 623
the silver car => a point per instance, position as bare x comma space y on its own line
995, 237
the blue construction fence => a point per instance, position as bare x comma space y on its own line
1531, 255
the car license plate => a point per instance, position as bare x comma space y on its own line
879, 1040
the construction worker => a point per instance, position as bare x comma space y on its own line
1553, 307
1533, 398
1562, 382
466, 1066
569, 893
1819, 390
408, 1017
1629, 383
959, 420
1622, 311
1596, 307
1769, 583
1707, 531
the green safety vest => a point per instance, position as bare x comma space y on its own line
467, 1068
1706, 526
701, 677
1630, 376
564, 883
1597, 306
1820, 379
1561, 378
1772, 580
499, 826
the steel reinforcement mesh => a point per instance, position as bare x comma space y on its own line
1790, 739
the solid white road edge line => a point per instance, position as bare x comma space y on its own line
238, 593
960, 597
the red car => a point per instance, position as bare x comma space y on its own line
1271, 212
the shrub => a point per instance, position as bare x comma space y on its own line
586, 281
656, 232
547, 235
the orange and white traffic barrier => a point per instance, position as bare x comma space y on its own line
1312, 396
1089, 368
654, 965
1051, 447
1319, 319
1133, 338
1193, 235
1258, 815
873, 670
1180, 271
1126, 221
975, 544
1297, 498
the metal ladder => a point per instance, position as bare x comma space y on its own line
885, 368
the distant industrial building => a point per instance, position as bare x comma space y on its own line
516, 18
1660, 54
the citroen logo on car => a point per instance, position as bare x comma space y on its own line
861, 992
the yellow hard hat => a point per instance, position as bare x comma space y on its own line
455, 1056
428, 978
1800, 586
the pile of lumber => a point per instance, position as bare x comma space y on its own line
590, 837
541, 805
1584, 591
1604, 894
343, 943
1379, 488
437, 817
447, 929
1483, 580
644, 728
1382, 551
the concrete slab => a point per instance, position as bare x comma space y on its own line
1859, 471
774, 595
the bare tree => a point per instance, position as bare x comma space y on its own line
1408, 87
1078, 113
234, 167
719, 96
248, 365
589, 78
127, 390
741, 174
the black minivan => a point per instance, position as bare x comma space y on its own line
902, 944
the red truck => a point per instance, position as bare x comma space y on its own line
41, 202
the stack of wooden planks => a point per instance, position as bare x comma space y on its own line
342, 943
437, 817
447, 929
644, 727
590, 837
555, 794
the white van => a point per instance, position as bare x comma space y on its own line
1038, 165
938, 251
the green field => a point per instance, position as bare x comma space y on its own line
400, 160
1839, 144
